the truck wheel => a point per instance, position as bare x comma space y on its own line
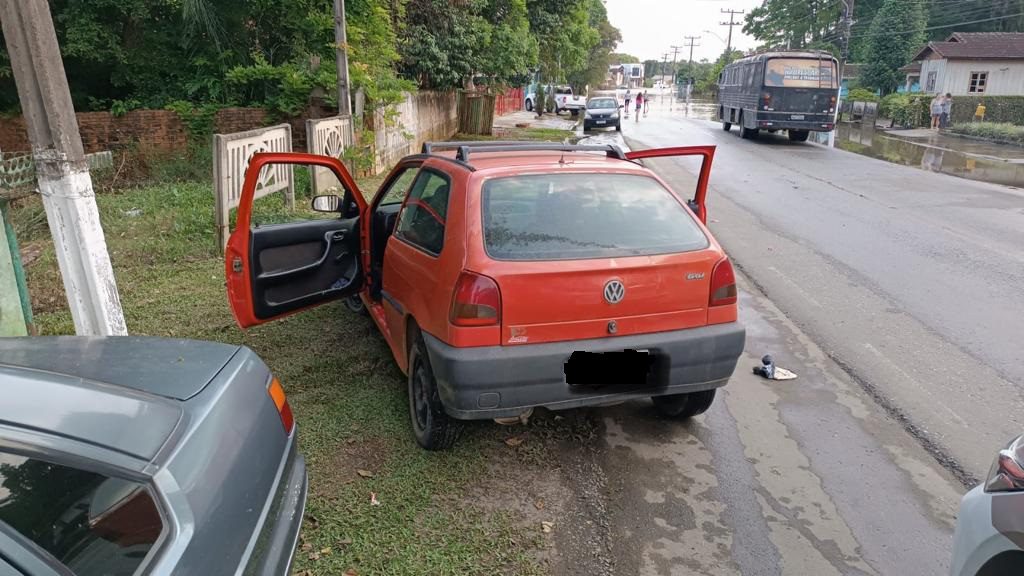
557, 110
726, 126
748, 133
798, 135
529, 105
683, 406
432, 427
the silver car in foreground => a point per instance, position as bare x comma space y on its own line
125, 455
989, 537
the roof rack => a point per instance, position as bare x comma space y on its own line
464, 148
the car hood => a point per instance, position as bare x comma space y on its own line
177, 369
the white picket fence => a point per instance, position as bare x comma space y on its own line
231, 155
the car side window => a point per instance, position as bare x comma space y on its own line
94, 524
399, 187
423, 217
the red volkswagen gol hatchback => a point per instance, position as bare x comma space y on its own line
507, 276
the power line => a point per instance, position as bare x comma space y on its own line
993, 19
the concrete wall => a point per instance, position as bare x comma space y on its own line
1005, 77
421, 117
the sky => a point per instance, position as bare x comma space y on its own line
650, 27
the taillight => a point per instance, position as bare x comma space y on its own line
723, 284
476, 301
276, 392
1007, 473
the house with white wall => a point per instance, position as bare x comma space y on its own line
974, 64
629, 74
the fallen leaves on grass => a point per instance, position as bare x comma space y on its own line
513, 441
364, 473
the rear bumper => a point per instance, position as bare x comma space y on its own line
276, 547
500, 381
812, 122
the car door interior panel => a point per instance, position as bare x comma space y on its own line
295, 265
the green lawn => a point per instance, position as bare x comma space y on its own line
347, 394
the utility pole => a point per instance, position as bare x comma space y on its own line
341, 59
844, 54
675, 52
730, 24
689, 65
664, 66
61, 169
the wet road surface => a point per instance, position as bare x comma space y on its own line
912, 281
885, 289
797, 477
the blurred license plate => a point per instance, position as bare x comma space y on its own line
797, 117
629, 368
600, 122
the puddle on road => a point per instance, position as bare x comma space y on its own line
930, 156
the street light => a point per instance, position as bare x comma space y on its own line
715, 35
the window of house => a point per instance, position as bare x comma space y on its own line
930, 86
422, 220
979, 80
92, 523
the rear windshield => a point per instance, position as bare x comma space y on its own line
578, 216
800, 73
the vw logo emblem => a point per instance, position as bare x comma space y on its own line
614, 292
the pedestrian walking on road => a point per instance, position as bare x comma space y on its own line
639, 105
936, 110
629, 98
947, 109
647, 103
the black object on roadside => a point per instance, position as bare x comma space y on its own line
767, 368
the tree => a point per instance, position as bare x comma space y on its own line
896, 32
621, 58
599, 55
794, 24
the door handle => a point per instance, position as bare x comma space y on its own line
338, 236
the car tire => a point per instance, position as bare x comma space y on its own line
574, 112
618, 127
432, 427
529, 105
683, 406
557, 110
798, 135
355, 304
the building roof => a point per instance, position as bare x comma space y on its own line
911, 68
977, 46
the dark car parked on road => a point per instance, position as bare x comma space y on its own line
125, 455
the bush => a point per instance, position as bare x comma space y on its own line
999, 131
908, 110
998, 109
862, 95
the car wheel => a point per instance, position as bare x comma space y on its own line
574, 112
432, 427
618, 127
529, 105
355, 304
557, 110
684, 406
798, 135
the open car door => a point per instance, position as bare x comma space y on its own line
697, 204
279, 269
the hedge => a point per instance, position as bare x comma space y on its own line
908, 110
1000, 132
998, 109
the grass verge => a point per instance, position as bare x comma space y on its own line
348, 396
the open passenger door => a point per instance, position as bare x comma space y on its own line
278, 269
697, 204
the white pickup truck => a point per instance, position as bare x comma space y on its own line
566, 100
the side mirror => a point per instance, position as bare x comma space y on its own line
326, 203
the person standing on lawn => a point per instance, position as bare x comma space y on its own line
947, 109
936, 110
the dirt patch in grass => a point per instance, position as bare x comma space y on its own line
356, 460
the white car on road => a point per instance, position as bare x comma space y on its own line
989, 537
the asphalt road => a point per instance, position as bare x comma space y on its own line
912, 281
895, 294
